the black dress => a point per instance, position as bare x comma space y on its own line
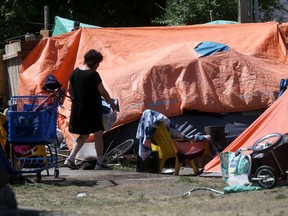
86, 110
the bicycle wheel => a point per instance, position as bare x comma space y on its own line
267, 142
119, 150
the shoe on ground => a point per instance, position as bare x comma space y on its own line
102, 166
70, 164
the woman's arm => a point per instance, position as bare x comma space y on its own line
70, 89
106, 96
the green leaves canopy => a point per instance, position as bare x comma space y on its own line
18, 17
187, 12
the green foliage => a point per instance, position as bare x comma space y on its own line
116, 13
186, 12
17, 17
267, 8
281, 196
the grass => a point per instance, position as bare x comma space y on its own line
280, 196
199, 182
163, 196
124, 166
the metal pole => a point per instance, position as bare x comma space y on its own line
256, 12
251, 9
46, 17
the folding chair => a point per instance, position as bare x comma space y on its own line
180, 149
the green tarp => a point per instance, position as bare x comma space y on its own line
62, 25
222, 22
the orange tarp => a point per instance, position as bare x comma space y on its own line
273, 120
157, 67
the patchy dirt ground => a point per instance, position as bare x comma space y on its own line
132, 193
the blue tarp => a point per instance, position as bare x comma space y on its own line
207, 48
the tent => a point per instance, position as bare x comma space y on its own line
222, 22
273, 120
158, 68
62, 25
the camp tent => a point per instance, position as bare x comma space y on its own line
63, 25
222, 22
273, 120
158, 68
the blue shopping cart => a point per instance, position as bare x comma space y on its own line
32, 134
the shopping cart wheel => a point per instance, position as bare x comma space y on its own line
38, 177
266, 177
56, 172
267, 142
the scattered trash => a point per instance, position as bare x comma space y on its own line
240, 188
168, 171
203, 188
238, 180
80, 195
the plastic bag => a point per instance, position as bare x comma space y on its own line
109, 117
109, 120
234, 168
238, 180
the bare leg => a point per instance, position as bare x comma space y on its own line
78, 145
99, 145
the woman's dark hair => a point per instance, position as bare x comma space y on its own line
92, 57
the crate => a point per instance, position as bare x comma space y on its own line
27, 126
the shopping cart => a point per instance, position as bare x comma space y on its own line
32, 133
32, 130
268, 160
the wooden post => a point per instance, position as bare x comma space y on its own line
46, 32
211, 15
46, 17
3, 84
244, 8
